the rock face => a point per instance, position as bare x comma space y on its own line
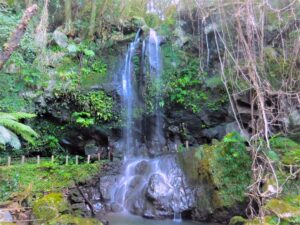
153, 188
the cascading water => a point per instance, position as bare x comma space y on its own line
129, 96
149, 187
155, 64
128, 100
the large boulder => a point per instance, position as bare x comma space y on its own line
60, 38
154, 188
50, 206
106, 184
157, 187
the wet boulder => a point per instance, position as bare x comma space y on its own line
142, 167
106, 184
157, 187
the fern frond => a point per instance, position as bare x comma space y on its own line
22, 115
7, 116
17, 115
23, 130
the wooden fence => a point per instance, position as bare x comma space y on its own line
63, 160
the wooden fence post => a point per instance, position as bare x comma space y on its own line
38, 159
187, 145
52, 158
23, 159
99, 157
76, 159
8, 161
67, 160
88, 159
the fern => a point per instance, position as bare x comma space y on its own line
11, 126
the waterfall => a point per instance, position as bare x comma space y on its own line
177, 217
155, 64
144, 179
128, 95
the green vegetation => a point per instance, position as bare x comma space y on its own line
53, 209
71, 219
49, 206
10, 126
186, 85
43, 178
225, 165
64, 72
286, 149
99, 104
83, 119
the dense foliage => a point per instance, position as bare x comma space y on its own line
218, 56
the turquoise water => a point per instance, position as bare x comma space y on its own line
128, 219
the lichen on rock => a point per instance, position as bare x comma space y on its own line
50, 206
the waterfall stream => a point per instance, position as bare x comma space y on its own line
151, 187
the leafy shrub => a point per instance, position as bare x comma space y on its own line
98, 104
83, 119
185, 87
189, 87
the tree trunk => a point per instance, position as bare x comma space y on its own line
68, 17
17, 35
93, 19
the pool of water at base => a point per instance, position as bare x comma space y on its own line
129, 219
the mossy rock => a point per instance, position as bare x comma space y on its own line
292, 157
283, 209
237, 220
288, 150
50, 206
223, 166
70, 219
267, 220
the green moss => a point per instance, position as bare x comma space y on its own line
229, 167
237, 220
50, 206
47, 177
70, 219
267, 220
225, 166
288, 150
283, 209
